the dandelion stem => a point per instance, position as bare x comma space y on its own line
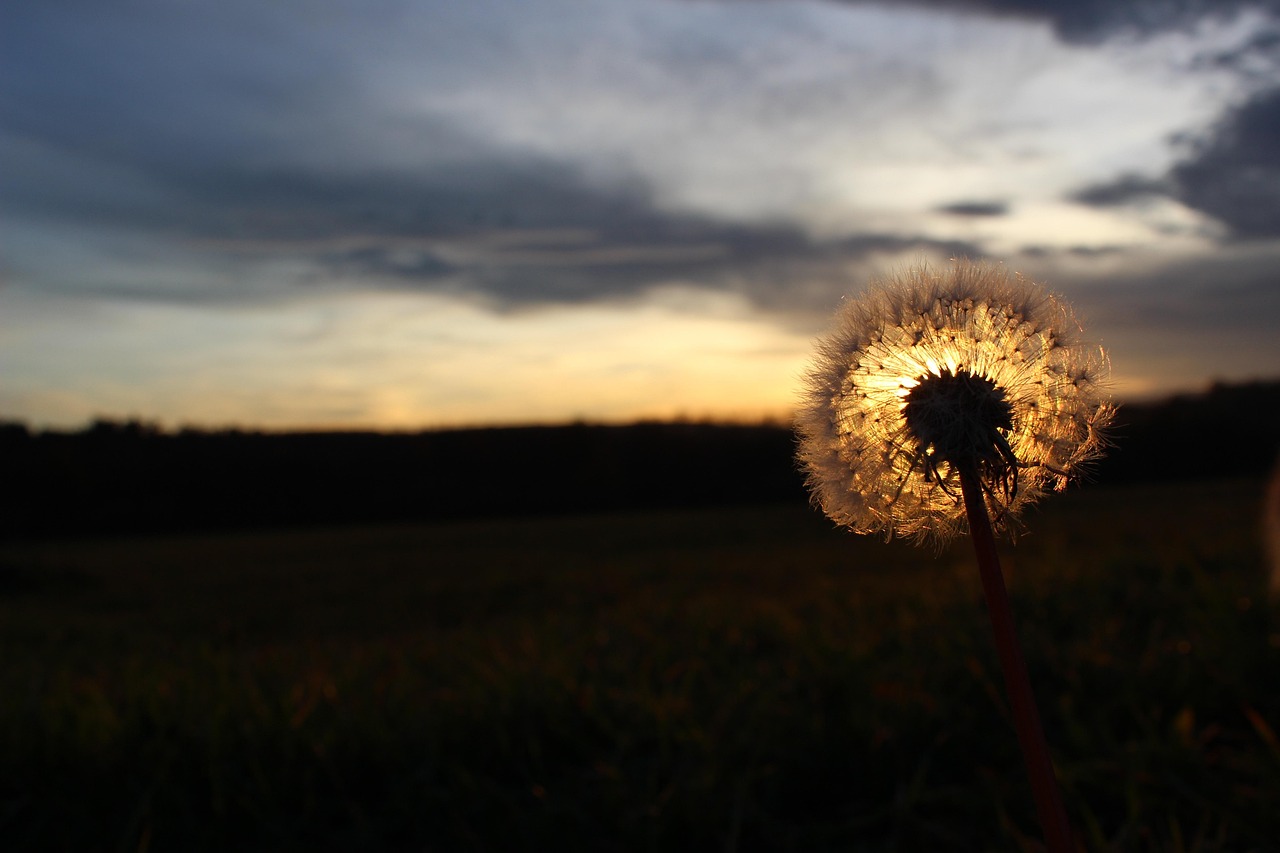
1026, 719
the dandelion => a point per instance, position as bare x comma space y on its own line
935, 371
942, 400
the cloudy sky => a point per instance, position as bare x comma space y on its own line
384, 213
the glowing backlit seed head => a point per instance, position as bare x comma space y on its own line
936, 370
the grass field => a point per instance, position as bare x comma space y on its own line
744, 679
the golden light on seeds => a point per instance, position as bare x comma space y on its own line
879, 426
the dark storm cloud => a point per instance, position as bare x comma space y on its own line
600, 258
246, 146
1094, 20
976, 208
119, 114
188, 126
514, 229
1230, 171
777, 269
1235, 174
165, 83
1126, 190
1231, 174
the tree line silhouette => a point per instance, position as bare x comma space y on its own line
133, 477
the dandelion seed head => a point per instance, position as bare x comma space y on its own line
938, 369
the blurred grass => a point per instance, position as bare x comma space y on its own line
744, 679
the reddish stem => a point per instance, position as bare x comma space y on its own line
1026, 720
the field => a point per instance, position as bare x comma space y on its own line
727, 680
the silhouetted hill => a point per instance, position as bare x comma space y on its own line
1231, 430
130, 477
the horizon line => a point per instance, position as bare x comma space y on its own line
764, 420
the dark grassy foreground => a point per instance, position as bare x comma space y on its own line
703, 680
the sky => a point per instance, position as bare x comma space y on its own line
315, 214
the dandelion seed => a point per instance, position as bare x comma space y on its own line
934, 370
942, 399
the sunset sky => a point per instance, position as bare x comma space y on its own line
367, 213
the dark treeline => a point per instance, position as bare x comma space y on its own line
1229, 431
117, 477
130, 477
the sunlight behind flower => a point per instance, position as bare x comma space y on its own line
870, 470
945, 401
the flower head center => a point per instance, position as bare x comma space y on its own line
957, 418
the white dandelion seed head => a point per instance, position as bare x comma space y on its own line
933, 367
